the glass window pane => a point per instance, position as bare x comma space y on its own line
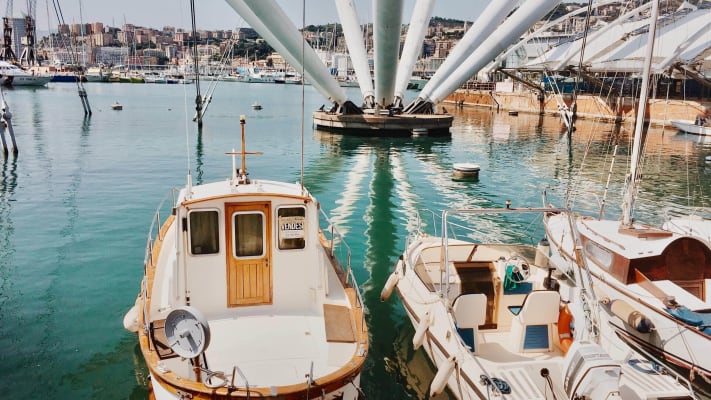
204, 232
291, 228
248, 234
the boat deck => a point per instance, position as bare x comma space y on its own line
272, 350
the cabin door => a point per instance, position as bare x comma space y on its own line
249, 271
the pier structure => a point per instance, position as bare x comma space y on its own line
6, 122
382, 111
501, 31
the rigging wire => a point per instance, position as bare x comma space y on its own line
574, 103
303, 83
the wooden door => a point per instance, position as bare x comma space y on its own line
249, 271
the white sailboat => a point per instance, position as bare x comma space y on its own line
243, 296
656, 282
496, 318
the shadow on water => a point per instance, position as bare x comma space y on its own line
104, 371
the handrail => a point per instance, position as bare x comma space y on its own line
148, 257
336, 239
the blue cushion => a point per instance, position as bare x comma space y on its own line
467, 335
536, 337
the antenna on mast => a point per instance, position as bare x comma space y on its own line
241, 176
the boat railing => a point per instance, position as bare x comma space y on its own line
154, 234
341, 252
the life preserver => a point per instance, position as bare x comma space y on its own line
565, 337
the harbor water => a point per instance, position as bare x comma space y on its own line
76, 204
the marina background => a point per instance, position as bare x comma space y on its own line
76, 203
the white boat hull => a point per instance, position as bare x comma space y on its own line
692, 128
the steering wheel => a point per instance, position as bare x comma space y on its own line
520, 270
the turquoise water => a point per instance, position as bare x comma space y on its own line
76, 204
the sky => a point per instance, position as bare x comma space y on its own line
214, 14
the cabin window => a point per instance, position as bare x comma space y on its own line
291, 228
602, 256
248, 234
204, 232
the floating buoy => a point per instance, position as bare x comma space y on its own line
466, 170
130, 320
630, 315
421, 330
116, 106
708, 159
390, 284
442, 376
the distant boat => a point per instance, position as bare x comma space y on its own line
256, 106
64, 77
154, 77
98, 73
116, 106
12, 75
698, 127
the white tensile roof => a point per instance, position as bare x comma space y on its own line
684, 36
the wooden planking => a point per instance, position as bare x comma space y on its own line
339, 324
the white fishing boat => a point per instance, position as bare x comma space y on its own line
243, 295
660, 279
12, 75
700, 126
498, 321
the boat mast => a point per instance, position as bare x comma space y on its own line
631, 192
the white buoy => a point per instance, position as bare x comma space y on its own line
632, 316
708, 159
130, 320
421, 330
442, 376
466, 170
419, 132
389, 286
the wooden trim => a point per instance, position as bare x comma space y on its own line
187, 203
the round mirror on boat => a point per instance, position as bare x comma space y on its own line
187, 331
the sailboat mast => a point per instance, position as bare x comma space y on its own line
631, 193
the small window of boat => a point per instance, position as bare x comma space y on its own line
248, 235
291, 228
204, 232
602, 256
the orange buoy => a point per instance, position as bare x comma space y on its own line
565, 337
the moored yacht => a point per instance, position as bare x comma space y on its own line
12, 75
498, 320
245, 296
